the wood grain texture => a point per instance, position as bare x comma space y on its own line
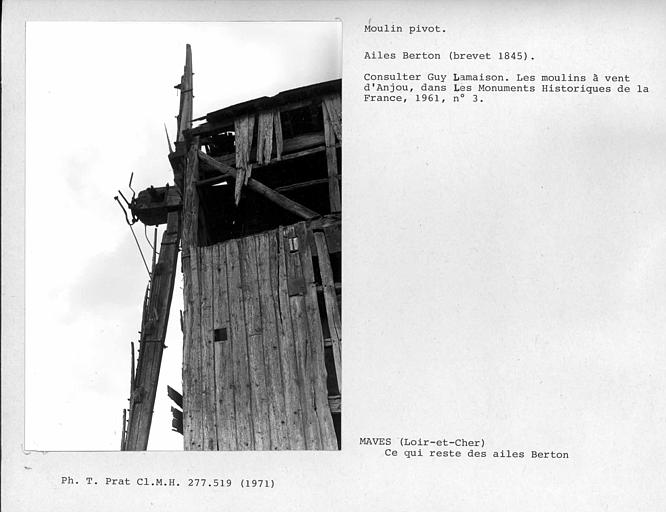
272, 366
301, 335
290, 375
242, 392
207, 351
192, 385
316, 367
224, 368
253, 323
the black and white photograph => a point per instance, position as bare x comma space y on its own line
189, 265
173, 235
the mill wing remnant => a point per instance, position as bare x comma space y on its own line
256, 208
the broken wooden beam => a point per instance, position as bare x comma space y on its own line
258, 187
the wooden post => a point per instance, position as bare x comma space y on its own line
153, 333
187, 96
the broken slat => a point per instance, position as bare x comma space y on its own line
315, 360
290, 373
176, 420
274, 388
279, 143
264, 136
244, 428
175, 396
243, 128
224, 376
330, 299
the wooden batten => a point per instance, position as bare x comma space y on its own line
315, 349
331, 163
330, 299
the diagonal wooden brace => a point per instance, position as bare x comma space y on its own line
258, 187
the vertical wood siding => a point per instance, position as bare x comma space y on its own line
255, 377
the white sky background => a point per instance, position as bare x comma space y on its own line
98, 95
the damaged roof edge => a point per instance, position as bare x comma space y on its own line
282, 98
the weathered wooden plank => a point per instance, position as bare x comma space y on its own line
255, 349
330, 299
333, 234
207, 350
241, 371
192, 384
274, 388
224, 376
192, 426
301, 334
290, 373
186, 92
316, 366
331, 163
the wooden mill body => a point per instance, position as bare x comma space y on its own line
257, 208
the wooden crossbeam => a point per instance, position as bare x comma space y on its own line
258, 187
294, 147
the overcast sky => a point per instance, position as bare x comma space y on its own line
98, 96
